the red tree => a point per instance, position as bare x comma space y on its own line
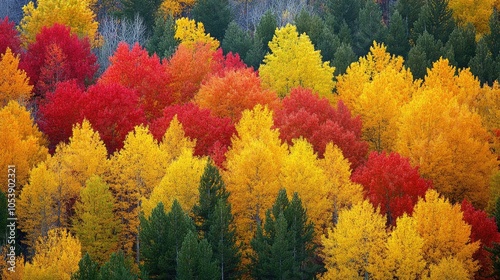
135, 69
391, 183
114, 111
59, 111
9, 37
79, 62
483, 228
229, 62
212, 134
305, 114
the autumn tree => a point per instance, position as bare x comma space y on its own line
14, 83
190, 32
356, 246
21, 142
9, 36
57, 256
475, 12
391, 183
375, 88
94, 222
195, 261
236, 91
57, 55
135, 69
305, 114
303, 64
175, 8
174, 141
75, 14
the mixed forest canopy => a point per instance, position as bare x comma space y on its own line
250, 139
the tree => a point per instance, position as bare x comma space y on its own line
397, 38
162, 41
21, 142
482, 64
161, 237
492, 42
343, 57
305, 114
475, 12
9, 37
117, 268
391, 184
289, 48
135, 69
94, 222
57, 256
87, 269
195, 259
114, 111
410, 11
236, 91
356, 247
215, 16
322, 37
145, 9
423, 54
57, 55
236, 40
435, 17
14, 83
463, 42
370, 28
375, 88
175, 8
74, 13
190, 33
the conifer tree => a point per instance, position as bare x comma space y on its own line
117, 268
370, 28
398, 39
195, 260
236, 40
162, 41
88, 269
215, 15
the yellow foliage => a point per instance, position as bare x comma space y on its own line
488, 107
57, 257
355, 248
76, 14
445, 233
21, 143
190, 32
294, 62
180, 182
175, 141
18, 273
14, 83
175, 7
375, 88
477, 12
449, 269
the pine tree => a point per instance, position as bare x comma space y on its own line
255, 53
370, 28
117, 268
266, 28
462, 41
145, 9
162, 41
161, 238
88, 269
423, 54
236, 40
482, 64
343, 57
398, 39
436, 18
195, 260
215, 15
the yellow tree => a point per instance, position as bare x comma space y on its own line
445, 233
476, 12
253, 167
57, 257
180, 182
294, 62
14, 83
301, 173
94, 223
36, 207
449, 144
134, 171
21, 143
175, 7
341, 191
175, 141
355, 248
76, 14
189, 33
375, 88
404, 250
449, 269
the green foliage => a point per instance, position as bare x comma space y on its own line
423, 54
322, 37
265, 29
215, 15
397, 38
161, 237
409, 11
482, 64
236, 40
492, 39
370, 28
195, 260
344, 11
117, 268
87, 269
146, 9
436, 18
462, 42
256, 52
162, 41
343, 57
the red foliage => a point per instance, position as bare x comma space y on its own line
222, 63
79, 62
306, 114
212, 134
391, 183
114, 111
9, 37
59, 111
135, 69
483, 228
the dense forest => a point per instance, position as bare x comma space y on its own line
250, 139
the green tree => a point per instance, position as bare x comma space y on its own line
162, 41
265, 29
482, 64
423, 54
397, 38
492, 38
344, 11
146, 9
161, 238
436, 18
343, 57
255, 53
215, 15
236, 40
195, 260
117, 268
370, 28
88, 269
409, 11
462, 42
322, 37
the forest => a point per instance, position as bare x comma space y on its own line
250, 139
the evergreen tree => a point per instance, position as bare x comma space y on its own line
236, 40
146, 9
117, 268
320, 34
493, 38
344, 11
423, 54
409, 11
162, 41
463, 44
87, 269
397, 39
265, 30
215, 15
436, 18
161, 238
343, 57
284, 249
370, 28
482, 64
256, 53
195, 260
